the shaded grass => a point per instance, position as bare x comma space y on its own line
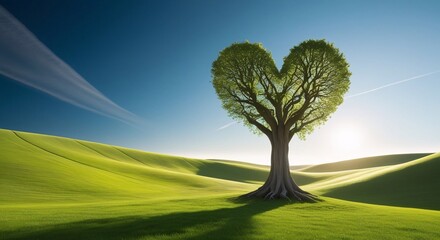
234, 219
220, 218
233, 172
414, 184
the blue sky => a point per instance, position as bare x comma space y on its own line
154, 59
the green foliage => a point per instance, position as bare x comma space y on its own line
234, 62
307, 90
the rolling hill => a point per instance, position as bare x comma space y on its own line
53, 187
368, 162
412, 184
37, 168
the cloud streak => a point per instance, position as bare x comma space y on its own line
27, 60
226, 126
391, 84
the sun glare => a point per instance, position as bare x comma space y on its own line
347, 137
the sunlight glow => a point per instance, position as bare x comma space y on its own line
347, 138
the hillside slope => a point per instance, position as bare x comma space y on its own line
60, 188
39, 168
411, 184
367, 162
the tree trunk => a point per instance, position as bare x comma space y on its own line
280, 184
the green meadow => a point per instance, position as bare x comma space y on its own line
60, 188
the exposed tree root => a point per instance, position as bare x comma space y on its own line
290, 192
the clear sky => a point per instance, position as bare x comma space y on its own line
154, 58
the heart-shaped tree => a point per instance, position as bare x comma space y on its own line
281, 104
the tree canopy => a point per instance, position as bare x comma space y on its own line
302, 95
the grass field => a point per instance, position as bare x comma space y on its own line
60, 188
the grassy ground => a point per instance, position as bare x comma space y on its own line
411, 184
59, 188
368, 162
219, 218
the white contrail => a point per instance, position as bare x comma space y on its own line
391, 84
27, 60
226, 126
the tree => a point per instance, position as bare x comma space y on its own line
281, 104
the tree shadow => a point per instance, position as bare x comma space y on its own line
224, 223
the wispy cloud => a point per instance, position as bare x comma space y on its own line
391, 84
27, 60
226, 126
